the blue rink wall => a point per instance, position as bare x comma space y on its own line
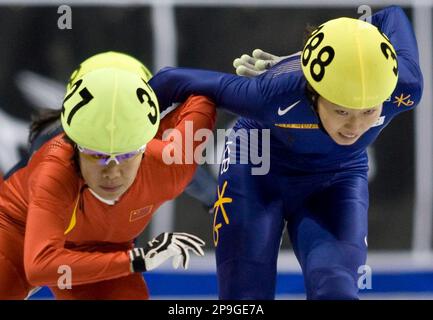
394, 276
204, 286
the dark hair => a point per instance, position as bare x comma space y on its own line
312, 95
43, 121
309, 29
45, 124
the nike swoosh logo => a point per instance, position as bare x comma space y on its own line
284, 111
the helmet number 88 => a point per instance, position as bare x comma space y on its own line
317, 67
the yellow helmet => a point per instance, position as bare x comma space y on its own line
350, 63
110, 59
110, 110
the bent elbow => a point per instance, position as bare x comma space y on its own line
39, 272
34, 274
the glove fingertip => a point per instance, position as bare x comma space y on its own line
237, 62
261, 65
257, 53
245, 57
241, 71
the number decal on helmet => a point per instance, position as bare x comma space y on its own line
310, 47
316, 39
153, 114
74, 88
387, 52
321, 63
85, 95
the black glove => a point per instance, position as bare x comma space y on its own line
162, 248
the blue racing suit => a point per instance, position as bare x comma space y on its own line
314, 187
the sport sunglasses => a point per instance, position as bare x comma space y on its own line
104, 159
